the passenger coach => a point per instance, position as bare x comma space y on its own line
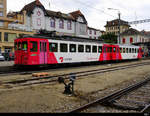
40, 50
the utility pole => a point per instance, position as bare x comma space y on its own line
119, 28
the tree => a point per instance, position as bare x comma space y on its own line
109, 38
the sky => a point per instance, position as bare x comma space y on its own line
96, 12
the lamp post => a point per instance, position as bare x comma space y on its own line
118, 22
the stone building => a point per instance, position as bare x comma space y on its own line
113, 26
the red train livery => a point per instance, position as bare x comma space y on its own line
40, 50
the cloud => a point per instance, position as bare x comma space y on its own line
96, 11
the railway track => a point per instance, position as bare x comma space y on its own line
134, 97
42, 80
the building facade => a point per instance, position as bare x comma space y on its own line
73, 23
8, 32
94, 33
113, 26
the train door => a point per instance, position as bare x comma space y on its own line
43, 52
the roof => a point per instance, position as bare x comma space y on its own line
77, 14
30, 7
116, 23
131, 31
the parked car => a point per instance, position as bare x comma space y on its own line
2, 58
8, 56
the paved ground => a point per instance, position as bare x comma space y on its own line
50, 97
6, 63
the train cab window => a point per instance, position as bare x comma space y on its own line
129, 50
88, 48
94, 49
114, 49
15, 45
72, 48
80, 48
126, 50
53, 47
33, 47
63, 48
99, 49
24, 46
120, 50
117, 50
19, 46
105, 49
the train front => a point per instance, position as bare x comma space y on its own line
26, 52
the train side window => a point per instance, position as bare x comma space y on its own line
120, 50
53, 47
72, 48
63, 48
24, 45
114, 49
94, 49
117, 50
33, 46
19, 46
132, 50
16, 47
124, 50
88, 48
127, 50
110, 49
80, 48
99, 49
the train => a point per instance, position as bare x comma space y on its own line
48, 48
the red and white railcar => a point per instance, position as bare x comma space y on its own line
39, 50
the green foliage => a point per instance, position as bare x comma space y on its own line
109, 38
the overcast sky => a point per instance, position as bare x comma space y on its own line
96, 11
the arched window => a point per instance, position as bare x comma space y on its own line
52, 22
61, 24
69, 26
131, 40
123, 40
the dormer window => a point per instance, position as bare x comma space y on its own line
52, 22
69, 26
61, 24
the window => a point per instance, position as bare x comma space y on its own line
53, 47
0, 50
94, 49
1, 14
114, 49
1, 5
124, 50
33, 47
120, 50
117, 50
63, 48
130, 50
90, 31
95, 32
131, 40
124, 41
69, 25
9, 37
52, 22
88, 48
15, 46
109, 49
105, 49
24, 46
80, 48
99, 49
19, 46
61, 24
6, 37
72, 48
0, 36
